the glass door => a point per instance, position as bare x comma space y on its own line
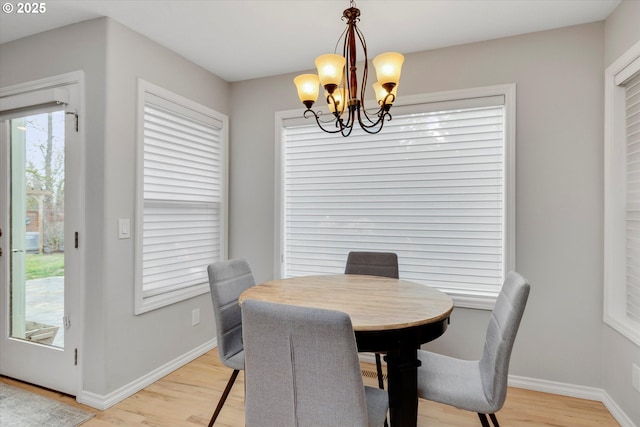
39, 259
37, 228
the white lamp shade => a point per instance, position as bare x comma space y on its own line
330, 69
388, 67
308, 86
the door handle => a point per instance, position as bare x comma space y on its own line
17, 250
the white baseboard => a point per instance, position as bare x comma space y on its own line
621, 417
563, 389
103, 402
572, 390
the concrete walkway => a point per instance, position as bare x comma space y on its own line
45, 304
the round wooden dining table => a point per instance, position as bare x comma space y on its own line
391, 316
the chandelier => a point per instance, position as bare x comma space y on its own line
338, 76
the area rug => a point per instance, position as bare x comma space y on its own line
20, 408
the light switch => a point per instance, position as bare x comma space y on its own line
124, 232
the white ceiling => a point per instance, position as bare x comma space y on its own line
245, 39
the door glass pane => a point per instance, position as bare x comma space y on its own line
37, 228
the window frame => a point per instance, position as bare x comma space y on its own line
508, 91
182, 106
615, 284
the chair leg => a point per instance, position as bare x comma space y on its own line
379, 370
485, 422
494, 420
380, 380
223, 398
483, 419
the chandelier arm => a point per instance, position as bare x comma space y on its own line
335, 49
345, 74
351, 121
347, 131
379, 113
378, 125
337, 108
383, 110
338, 122
351, 117
382, 113
372, 127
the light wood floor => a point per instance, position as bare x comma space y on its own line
188, 396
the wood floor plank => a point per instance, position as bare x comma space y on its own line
187, 397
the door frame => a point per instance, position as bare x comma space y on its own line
27, 95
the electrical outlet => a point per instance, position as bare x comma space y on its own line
195, 316
635, 376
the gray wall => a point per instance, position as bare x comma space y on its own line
622, 30
559, 187
119, 346
136, 343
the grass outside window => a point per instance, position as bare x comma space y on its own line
39, 266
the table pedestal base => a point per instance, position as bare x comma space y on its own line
401, 347
402, 366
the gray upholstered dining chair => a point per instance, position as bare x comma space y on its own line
383, 264
302, 369
479, 385
227, 280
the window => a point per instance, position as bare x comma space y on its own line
622, 195
435, 186
181, 197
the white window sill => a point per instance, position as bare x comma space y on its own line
624, 326
472, 300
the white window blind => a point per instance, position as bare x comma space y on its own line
632, 109
430, 187
183, 200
